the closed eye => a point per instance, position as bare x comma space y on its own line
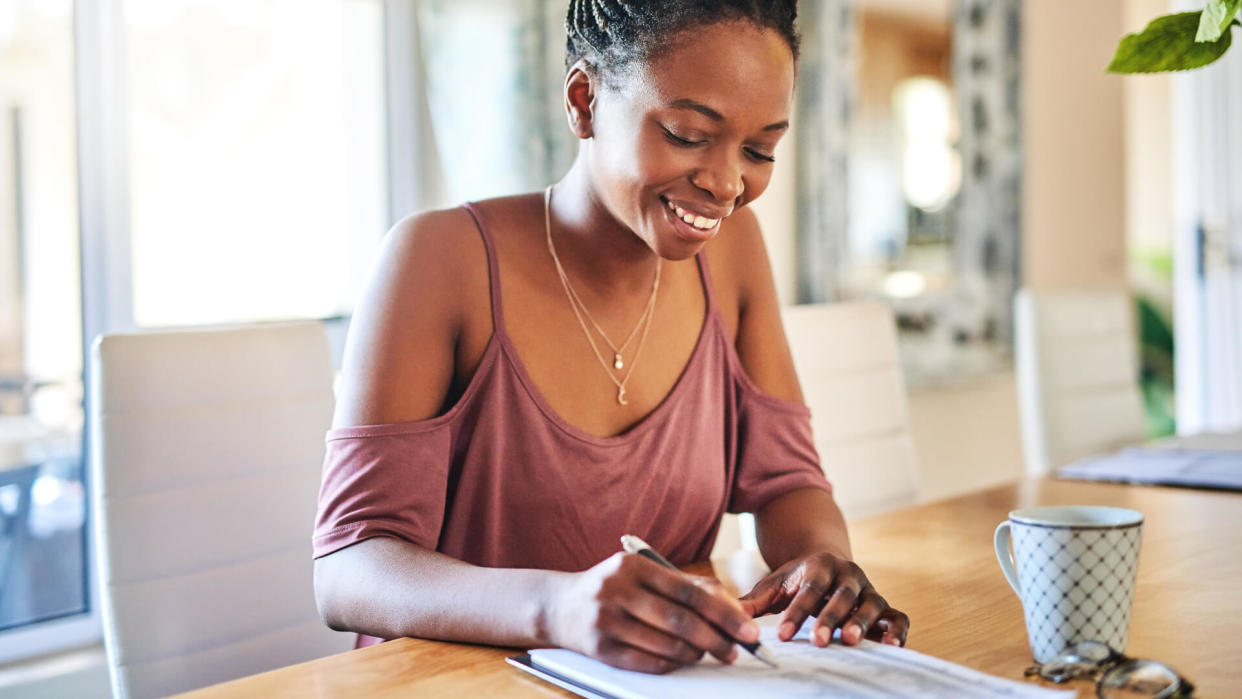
762, 157
678, 140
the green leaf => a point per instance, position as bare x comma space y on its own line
1217, 15
1167, 43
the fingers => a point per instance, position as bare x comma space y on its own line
844, 596
679, 623
629, 657
699, 603
891, 628
855, 628
807, 602
630, 631
763, 597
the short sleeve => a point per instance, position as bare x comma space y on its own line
382, 480
775, 452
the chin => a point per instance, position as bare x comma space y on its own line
676, 250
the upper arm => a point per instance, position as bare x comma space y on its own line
399, 356
760, 343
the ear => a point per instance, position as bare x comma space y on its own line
580, 100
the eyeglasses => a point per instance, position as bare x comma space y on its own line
1117, 676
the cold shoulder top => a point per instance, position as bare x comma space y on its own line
502, 480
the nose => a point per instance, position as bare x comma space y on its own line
722, 178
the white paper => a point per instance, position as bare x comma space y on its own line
1207, 468
867, 670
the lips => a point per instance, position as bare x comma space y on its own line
688, 231
693, 222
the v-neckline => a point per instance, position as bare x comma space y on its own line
500, 335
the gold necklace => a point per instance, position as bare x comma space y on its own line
579, 309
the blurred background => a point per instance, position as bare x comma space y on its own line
171, 163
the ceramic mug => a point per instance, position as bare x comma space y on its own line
1073, 567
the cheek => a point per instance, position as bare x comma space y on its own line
657, 162
755, 183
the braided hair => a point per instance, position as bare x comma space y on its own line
611, 35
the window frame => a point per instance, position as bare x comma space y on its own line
105, 246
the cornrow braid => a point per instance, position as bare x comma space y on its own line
611, 35
601, 22
574, 25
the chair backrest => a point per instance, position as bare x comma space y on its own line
847, 362
1077, 371
207, 449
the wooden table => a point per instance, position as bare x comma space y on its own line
936, 563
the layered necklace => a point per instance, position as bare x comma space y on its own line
581, 312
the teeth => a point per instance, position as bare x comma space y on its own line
701, 222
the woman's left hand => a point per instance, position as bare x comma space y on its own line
837, 592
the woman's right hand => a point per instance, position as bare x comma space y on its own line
634, 614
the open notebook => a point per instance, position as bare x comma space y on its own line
1163, 465
867, 670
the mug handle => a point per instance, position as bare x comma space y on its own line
1003, 556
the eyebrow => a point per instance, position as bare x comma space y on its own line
685, 103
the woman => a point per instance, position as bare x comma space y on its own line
529, 378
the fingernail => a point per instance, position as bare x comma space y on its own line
750, 632
786, 631
823, 635
732, 656
852, 634
892, 641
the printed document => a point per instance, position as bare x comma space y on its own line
806, 671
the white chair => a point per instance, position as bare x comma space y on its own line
207, 448
1077, 371
847, 363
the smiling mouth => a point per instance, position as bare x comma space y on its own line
689, 217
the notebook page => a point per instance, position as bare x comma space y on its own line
1190, 467
806, 672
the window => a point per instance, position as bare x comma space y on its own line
43, 571
255, 137
162, 163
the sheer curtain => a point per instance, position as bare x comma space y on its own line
1208, 246
491, 75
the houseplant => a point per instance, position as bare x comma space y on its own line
1181, 41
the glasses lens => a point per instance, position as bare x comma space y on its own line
1079, 660
1141, 678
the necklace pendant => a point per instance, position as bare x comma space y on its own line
621, 396
616, 361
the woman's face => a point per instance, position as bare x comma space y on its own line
691, 134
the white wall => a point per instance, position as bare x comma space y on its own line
1074, 175
777, 212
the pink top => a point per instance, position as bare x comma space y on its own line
501, 480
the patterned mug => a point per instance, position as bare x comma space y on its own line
1073, 567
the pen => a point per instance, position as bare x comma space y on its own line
633, 544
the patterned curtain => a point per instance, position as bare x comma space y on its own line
987, 232
822, 118
493, 78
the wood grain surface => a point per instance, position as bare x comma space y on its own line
936, 563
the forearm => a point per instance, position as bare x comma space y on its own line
800, 523
390, 588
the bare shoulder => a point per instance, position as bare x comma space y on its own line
739, 262
422, 294
747, 290
443, 240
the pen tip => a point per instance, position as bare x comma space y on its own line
764, 655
